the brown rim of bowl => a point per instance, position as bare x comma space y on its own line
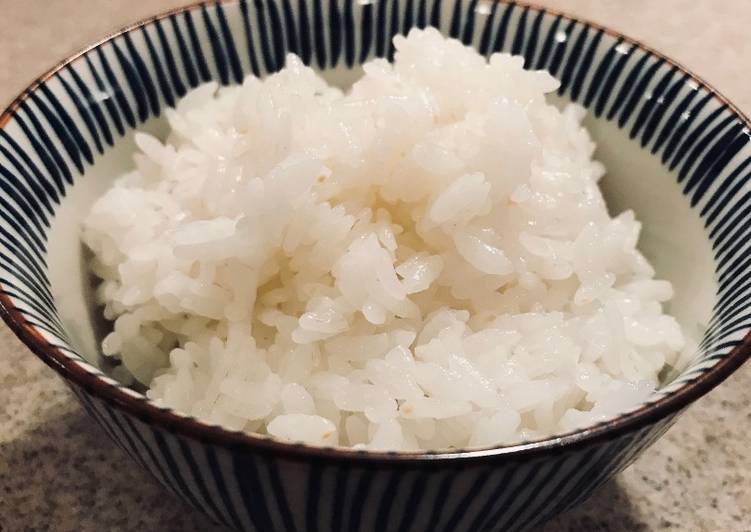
190, 427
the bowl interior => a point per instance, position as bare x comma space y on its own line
674, 152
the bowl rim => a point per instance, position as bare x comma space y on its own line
189, 427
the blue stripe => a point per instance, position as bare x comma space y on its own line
729, 188
255, 69
196, 49
143, 74
534, 38
318, 34
34, 287
675, 119
654, 101
730, 268
66, 124
83, 112
613, 77
311, 502
360, 495
695, 145
585, 66
412, 504
161, 77
547, 47
217, 476
719, 232
169, 59
45, 312
306, 47
27, 199
198, 476
385, 505
455, 21
185, 55
716, 139
560, 49
16, 246
521, 26
6, 173
493, 496
680, 133
570, 485
112, 91
128, 435
462, 507
501, 505
409, 19
573, 59
68, 144
34, 176
229, 44
598, 79
13, 218
422, 14
349, 35
87, 404
435, 14
627, 88
393, 29
43, 147
280, 498
500, 35
39, 322
290, 26
380, 30
338, 501
335, 32
733, 299
487, 30
638, 94
439, 505
713, 165
657, 116
533, 490
220, 60
366, 32
252, 491
164, 473
180, 483
269, 57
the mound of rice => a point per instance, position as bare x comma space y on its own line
423, 262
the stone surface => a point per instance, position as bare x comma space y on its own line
59, 472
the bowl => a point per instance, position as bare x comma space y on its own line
677, 152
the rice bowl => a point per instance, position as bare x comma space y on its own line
252, 481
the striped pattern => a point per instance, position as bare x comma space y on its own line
73, 116
284, 495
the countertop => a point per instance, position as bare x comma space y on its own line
59, 472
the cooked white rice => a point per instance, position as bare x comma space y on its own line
423, 262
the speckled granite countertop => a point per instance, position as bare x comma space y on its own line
59, 472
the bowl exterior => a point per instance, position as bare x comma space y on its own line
265, 491
68, 119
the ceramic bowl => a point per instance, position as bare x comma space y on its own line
677, 152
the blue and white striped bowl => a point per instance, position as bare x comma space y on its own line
677, 152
